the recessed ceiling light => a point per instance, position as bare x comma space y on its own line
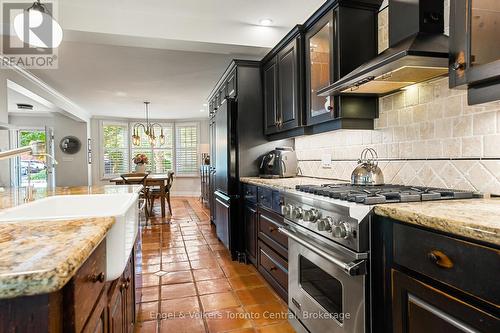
202, 110
204, 104
266, 22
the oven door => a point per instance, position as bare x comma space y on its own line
326, 286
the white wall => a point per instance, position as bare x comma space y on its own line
72, 170
183, 186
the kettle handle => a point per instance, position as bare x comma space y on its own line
373, 153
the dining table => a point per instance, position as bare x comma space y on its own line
153, 179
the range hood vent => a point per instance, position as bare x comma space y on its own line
416, 50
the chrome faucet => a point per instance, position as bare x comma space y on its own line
35, 148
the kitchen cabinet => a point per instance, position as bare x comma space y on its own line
212, 167
474, 48
425, 281
250, 220
87, 303
282, 84
266, 248
121, 301
332, 50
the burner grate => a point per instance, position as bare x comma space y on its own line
371, 195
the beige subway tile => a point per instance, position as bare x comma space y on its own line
398, 100
385, 103
376, 136
405, 150
484, 123
498, 122
392, 118
462, 126
425, 93
399, 134
382, 120
452, 106
411, 95
405, 116
452, 147
443, 128
472, 146
492, 145
434, 148
413, 132
427, 130
435, 109
419, 113
387, 135
441, 89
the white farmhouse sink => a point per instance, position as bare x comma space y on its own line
120, 238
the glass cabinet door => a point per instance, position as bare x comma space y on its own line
485, 32
319, 68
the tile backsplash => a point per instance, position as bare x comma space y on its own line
425, 135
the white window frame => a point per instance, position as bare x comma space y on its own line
103, 123
129, 125
183, 124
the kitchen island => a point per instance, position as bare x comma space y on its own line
54, 271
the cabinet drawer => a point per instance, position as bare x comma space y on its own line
250, 193
274, 269
469, 267
268, 230
83, 290
265, 197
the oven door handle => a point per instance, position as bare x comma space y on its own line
353, 268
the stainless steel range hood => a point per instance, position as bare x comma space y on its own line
417, 52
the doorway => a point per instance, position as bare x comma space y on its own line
39, 169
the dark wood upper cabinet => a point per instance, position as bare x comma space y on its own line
282, 85
319, 44
474, 48
288, 87
270, 73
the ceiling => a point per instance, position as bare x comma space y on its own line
116, 54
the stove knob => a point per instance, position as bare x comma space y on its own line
325, 224
297, 213
311, 215
341, 230
286, 210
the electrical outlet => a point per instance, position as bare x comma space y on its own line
326, 161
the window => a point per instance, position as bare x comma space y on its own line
115, 148
186, 148
179, 153
160, 157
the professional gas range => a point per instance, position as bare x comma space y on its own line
328, 231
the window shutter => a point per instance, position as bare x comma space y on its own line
186, 149
115, 149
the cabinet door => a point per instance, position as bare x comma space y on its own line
223, 213
231, 84
129, 296
212, 170
319, 45
270, 73
98, 320
115, 308
250, 217
288, 87
418, 307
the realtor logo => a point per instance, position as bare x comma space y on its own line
31, 35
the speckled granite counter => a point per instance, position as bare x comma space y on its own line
286, 183
41, 257
477, 219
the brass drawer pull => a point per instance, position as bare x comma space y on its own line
440, 259
272, 229
274, 268
97, 277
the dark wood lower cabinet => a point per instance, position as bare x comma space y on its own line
250, 219
419, 307
85, 304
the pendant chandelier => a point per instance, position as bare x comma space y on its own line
148, 129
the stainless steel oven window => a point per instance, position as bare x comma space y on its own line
322, 287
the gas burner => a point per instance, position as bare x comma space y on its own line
370, 195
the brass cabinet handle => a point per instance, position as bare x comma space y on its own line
440, 259
272, 229
97, 277
273, 268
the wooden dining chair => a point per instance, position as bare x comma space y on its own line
156, 193
139, 179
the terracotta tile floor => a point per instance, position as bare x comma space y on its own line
190, 284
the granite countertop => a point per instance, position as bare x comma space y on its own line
477, 219
40, 257
286, 183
